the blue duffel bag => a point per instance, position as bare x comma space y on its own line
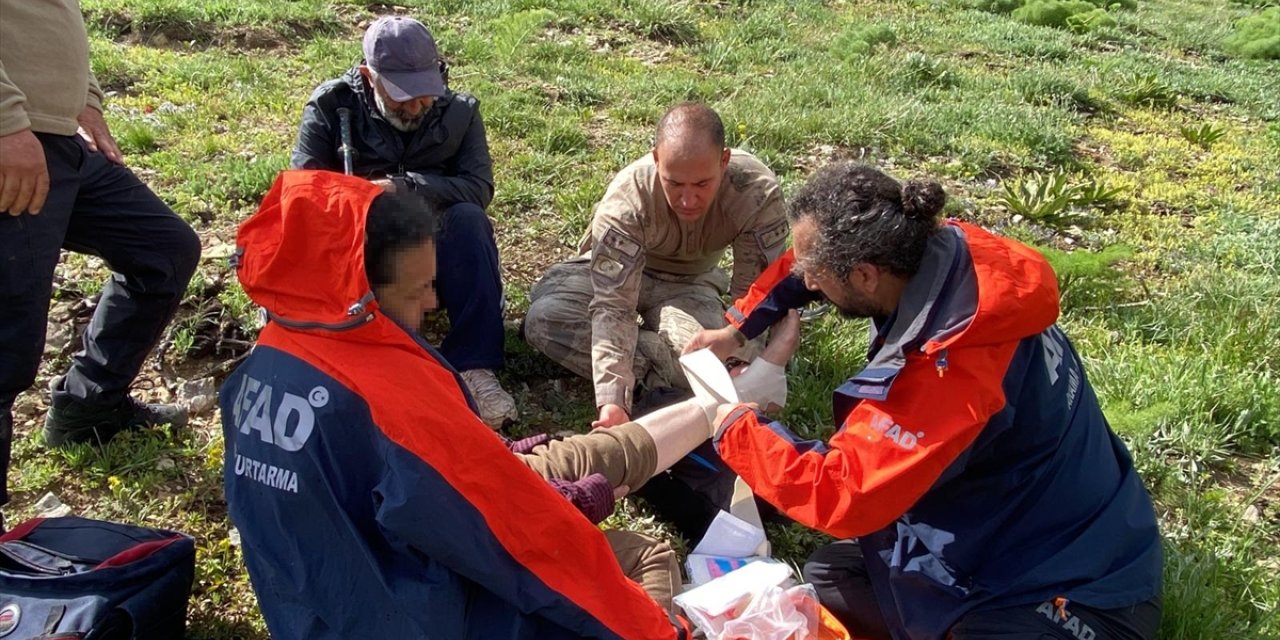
80, 579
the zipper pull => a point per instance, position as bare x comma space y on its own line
941, 363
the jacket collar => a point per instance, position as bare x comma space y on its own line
940, 300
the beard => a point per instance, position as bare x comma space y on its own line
854, 306
398, 120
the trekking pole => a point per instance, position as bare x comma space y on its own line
347, 151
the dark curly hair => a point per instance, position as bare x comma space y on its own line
864, 215
396, 221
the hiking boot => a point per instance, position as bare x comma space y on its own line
497, 407
70, 421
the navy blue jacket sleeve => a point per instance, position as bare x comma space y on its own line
317, 145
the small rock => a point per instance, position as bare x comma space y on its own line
199, 396
220, 251
57, 337
49, 506
1252, 514
1017, 218
164, 464
233, 536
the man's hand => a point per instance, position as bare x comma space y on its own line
722, 342
611, 415
24, 176
93, 128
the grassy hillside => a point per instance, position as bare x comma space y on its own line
1138, 147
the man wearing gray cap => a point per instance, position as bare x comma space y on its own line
409, 131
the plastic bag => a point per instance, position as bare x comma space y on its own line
776, 614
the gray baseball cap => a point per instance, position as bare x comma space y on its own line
403, 54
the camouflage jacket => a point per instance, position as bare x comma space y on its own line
634, 232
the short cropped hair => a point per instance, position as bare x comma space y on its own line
396, 221
689, 118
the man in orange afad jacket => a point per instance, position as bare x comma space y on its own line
977, 485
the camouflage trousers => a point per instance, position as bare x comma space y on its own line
671, 310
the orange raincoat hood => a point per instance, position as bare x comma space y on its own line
317, 219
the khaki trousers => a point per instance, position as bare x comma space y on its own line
626, 456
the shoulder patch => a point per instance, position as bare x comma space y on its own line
604, 263
614, 257
771, 238
615, 239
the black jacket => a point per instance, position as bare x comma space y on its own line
448, 157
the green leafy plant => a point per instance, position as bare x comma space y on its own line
1089, 278
1256, 36
1039, 197
137, 137
1056, 197
1042, 89
1051, 13
664, 20
1081, 16
1094, 194
922, 71
1090, 21
861, 40
994, 6
1146, 90
1204, 135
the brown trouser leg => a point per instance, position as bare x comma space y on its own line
649, 562
624, 454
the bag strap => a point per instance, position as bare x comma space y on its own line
54, 618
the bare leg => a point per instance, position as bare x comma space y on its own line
676, 430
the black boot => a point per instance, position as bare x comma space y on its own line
70, 421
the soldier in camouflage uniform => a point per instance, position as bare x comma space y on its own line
647, 279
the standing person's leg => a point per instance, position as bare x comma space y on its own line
558, 324
839, 574
649, 562
152, 254
29, 249
469, 282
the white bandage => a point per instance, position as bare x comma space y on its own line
763, 383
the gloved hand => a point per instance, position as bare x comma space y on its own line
764, 380
763, 383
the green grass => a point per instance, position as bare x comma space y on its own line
1167, 138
